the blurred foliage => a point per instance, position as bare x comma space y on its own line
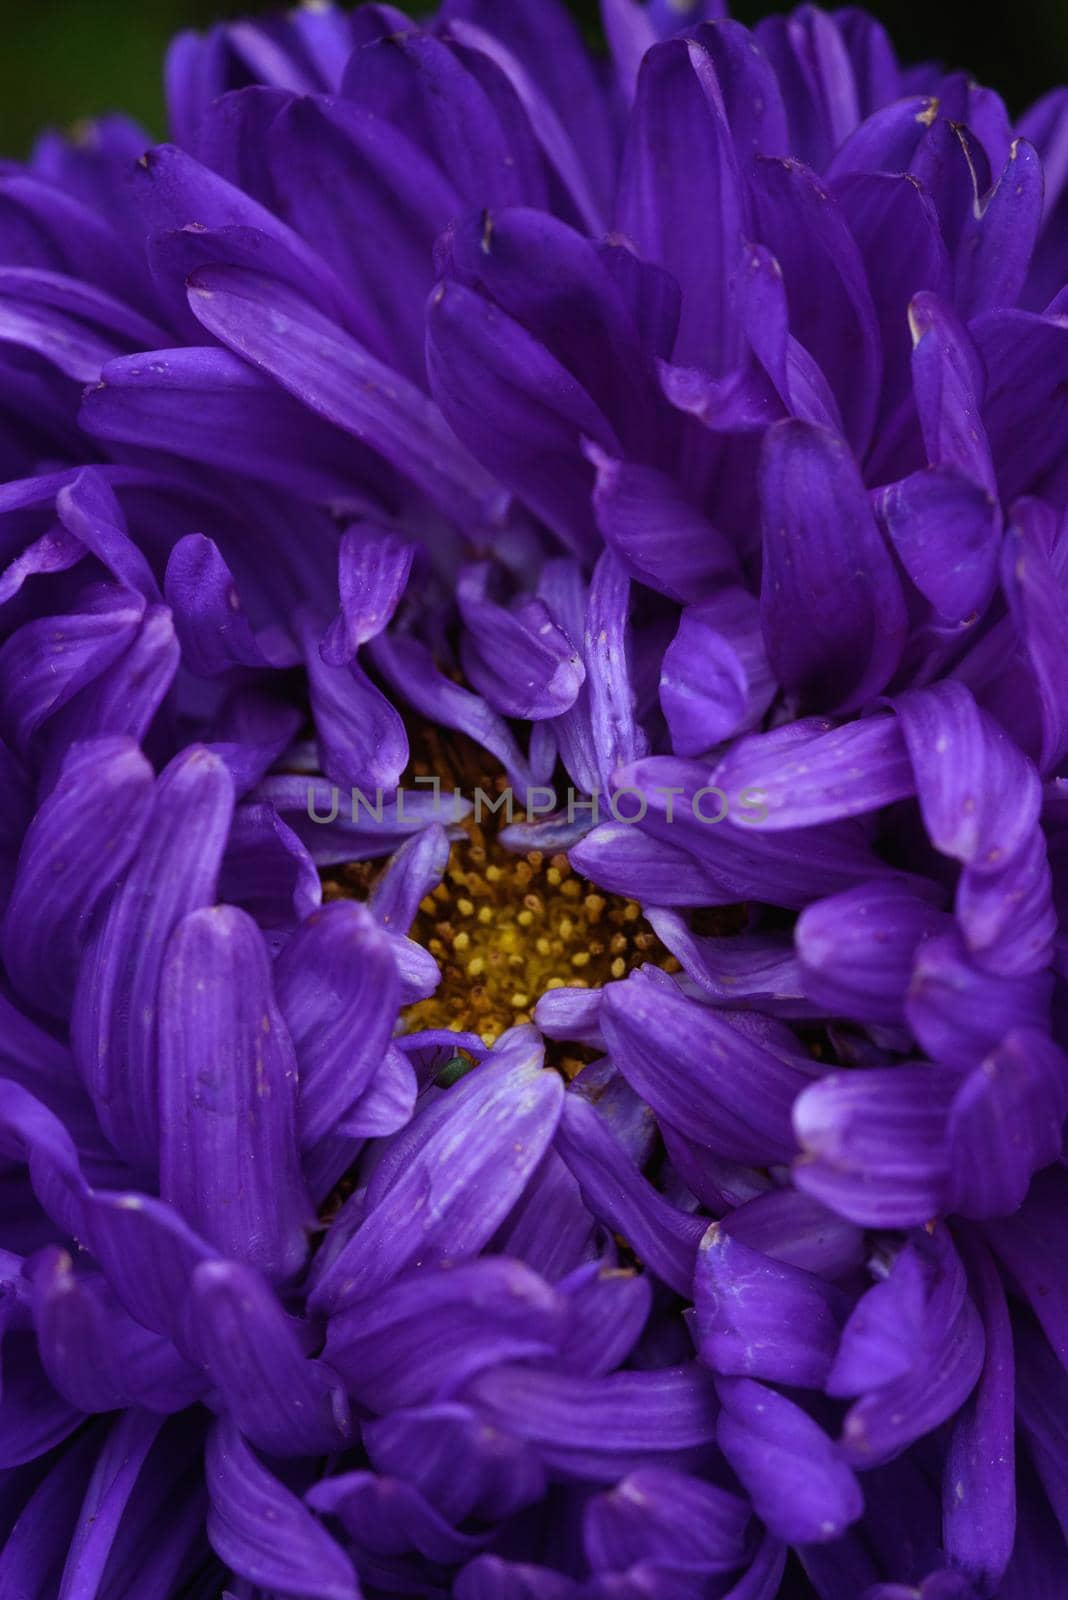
65, 59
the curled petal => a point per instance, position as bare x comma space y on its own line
734, 1095
658, 1515
760, 1318
97, 1356
1006, 1122
74, 851
338, 988
800, 1484
596, 1429
875, 1143
662, 1237
283, 1401
114, 1027
422, 1337
468, 1158
263, 1532
831, 602
373, 569
228, 1087
856, 949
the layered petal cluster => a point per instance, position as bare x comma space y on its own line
683, 424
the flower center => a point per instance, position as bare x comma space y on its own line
506, 928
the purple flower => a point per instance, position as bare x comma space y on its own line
661, 1194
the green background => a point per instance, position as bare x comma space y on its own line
65, 59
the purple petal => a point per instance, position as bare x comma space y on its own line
509, 399
267, 871
550, 1227
33, 1417
337, 830
459, 1465
657, 1515
76, 847
980, 797
999, 235
944, 1366
874, 1143
261, 1530
626, 860
959, 1012
896, 227
609, 1307
663, 540
735, 1095
857, 949
96, 1355
831, 310
212, 626
345, 174
553, 57
790, 1226
362, 742
1029, 1245
1041, 1391
337, 988
679, 194
88, 509
617, 738
373, 570
207, 406
405, 75
1023, 423
949, 384
125, 699
799, 1482
409, 667
544, 671
456, 1185
32, 1558
751, 972
425, 1335
715, 681
148, 1256
663, 1238
387, 1104
114, 1022
384, 1518
1037, 604
410, 874
327, 371
597, 1429
550, 279
979, 1481
173, 190
45, 663
283, 1402
228, 1086
756, 1317
831, 602
886, 140
111, 1486
1006, 1123
809, 772
946, 529
491, 1577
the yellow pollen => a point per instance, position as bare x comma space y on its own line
538, 926
506, 928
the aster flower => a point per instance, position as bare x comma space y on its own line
685, 426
